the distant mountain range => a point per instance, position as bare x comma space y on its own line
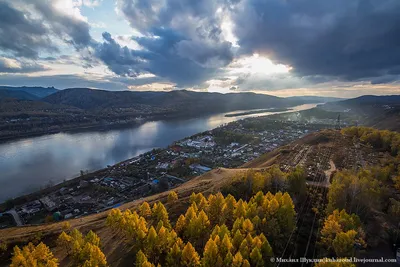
181, 100
38, 92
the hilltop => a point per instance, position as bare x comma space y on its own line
37, 92
180, 100
327, 157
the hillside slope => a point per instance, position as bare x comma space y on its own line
39, 92
320, 154
176, 100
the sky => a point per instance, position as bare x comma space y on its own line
341, 48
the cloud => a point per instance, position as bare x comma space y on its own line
21, 34
161, 55
183, 43
28, 28
65, 21
342, 39
63, 81
9, 65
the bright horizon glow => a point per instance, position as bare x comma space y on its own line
257, 64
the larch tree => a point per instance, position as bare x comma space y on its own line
145, 210
172, 197
33, 256
210, 254
190, 257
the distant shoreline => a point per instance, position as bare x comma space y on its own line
257, 112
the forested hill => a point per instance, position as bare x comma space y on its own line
382, 112
38, 92
179, 100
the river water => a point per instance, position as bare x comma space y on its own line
29, 164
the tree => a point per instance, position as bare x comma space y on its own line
343, 244
141, 260
92, 256
31, 256
66, 226
159, 213
174, 256
180, 225
215, 210
172, 197
341, 231
64, 240
92, 238
190, 257
237, 260
210, 255
145, 210
256, 257
297, 181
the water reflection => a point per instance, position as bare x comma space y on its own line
31, 163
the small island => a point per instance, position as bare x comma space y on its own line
257, 111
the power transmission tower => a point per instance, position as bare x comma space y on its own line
337, 126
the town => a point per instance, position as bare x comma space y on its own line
229, 146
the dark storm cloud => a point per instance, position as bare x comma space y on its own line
22, 35
119, 59
350, 40
72, 30
182, 42
159, 56
26, 35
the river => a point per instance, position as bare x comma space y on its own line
29, 164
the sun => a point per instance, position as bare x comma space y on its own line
257, 64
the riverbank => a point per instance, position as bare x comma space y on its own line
257, 112
228, 146
33, 163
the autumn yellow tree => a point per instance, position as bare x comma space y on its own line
190, 257
172, 197
33, 256
341, 232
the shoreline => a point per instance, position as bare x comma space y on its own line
74, 179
